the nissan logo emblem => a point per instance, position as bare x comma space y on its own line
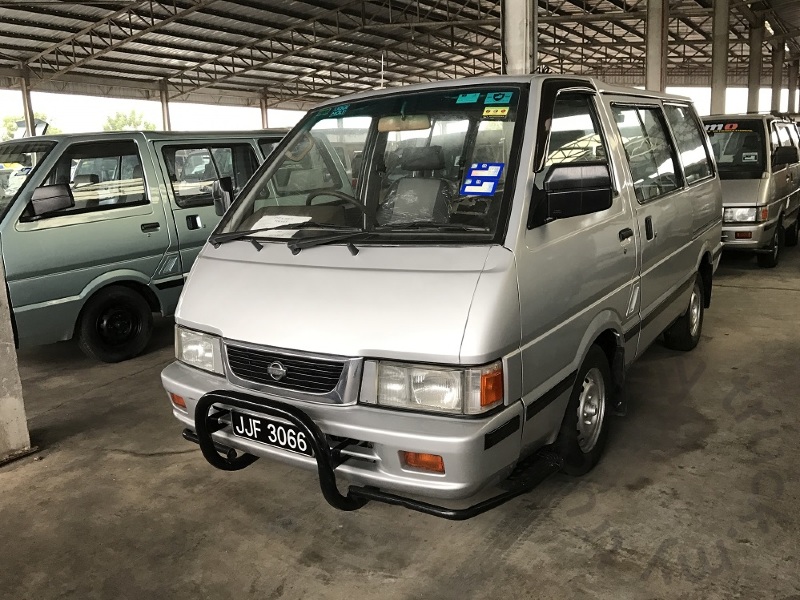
276, 370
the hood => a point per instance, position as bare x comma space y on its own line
399, 302
742, 192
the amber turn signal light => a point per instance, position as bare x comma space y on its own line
419, 460
178, 401
492, 387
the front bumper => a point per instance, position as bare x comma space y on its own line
477, 452
760, 235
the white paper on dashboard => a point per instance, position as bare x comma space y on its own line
277, 221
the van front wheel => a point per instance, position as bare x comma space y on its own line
115, 325
585, 426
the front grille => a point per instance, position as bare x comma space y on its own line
311, 375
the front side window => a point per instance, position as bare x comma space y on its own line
431, 164
652, 160
689, 139
574, 134
193, 169
102, 176
739, 146
18, 160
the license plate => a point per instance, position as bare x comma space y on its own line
272, 433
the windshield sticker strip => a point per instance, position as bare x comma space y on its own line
468, 98
340, 110
478, 187
486, 170
722, 127
498, 98
496, 112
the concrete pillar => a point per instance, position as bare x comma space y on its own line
165, 105
793, 69
27, 107
264, 115
656, 51
14, 438
778, 55
719, 55
520, 30
756, 59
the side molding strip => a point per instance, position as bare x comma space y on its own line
550, 396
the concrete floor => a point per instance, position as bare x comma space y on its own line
696, 497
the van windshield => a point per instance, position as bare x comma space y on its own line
431, 164
17, 162
740, 147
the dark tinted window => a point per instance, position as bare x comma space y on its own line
739, 147
690, 141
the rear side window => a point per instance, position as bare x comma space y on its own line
193, 170
690, 141
651, 157
102, 176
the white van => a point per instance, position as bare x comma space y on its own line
460, 311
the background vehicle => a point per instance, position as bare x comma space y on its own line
473, 294
759, 165
98, 230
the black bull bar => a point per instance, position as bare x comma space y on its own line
526, 476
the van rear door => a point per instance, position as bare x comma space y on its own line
190, 169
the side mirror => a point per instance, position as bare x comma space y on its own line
572, 189
222, 194
785, 155
51, 198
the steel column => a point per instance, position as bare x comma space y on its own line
520, 29
719, 55
778, 56
756, 58
656, 49
165, 106
793, 69
264, 115
27, 107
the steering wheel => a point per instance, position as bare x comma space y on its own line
341, 195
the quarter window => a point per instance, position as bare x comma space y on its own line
101, 175
690, 141
193, 170
651, 157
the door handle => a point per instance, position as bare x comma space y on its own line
648, 228
193, 222
150, 227
625, 234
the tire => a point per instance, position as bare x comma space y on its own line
769, 260
684, 334
115, 325
793, 234
582, 445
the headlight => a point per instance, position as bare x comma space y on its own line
740, 215
200, 350
439, 389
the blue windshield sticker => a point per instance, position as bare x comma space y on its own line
498, 98
486, 170
468, 98
340, 110
478, 187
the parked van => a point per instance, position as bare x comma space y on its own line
98, 230
759, 165
462, 312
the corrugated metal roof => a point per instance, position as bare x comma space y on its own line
296, 53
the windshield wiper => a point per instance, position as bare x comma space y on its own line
430, 225
296, 245
232, 236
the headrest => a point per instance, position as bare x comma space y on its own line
86, 179
137, 172
430, 158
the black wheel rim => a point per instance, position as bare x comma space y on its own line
118, 324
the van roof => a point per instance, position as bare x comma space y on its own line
160, 135
597, 84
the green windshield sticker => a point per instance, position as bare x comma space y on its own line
498, 98
468, 98
340, 110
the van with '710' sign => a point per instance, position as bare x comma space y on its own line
436, 291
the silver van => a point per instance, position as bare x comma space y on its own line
461, 310
98, 230
759, 165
